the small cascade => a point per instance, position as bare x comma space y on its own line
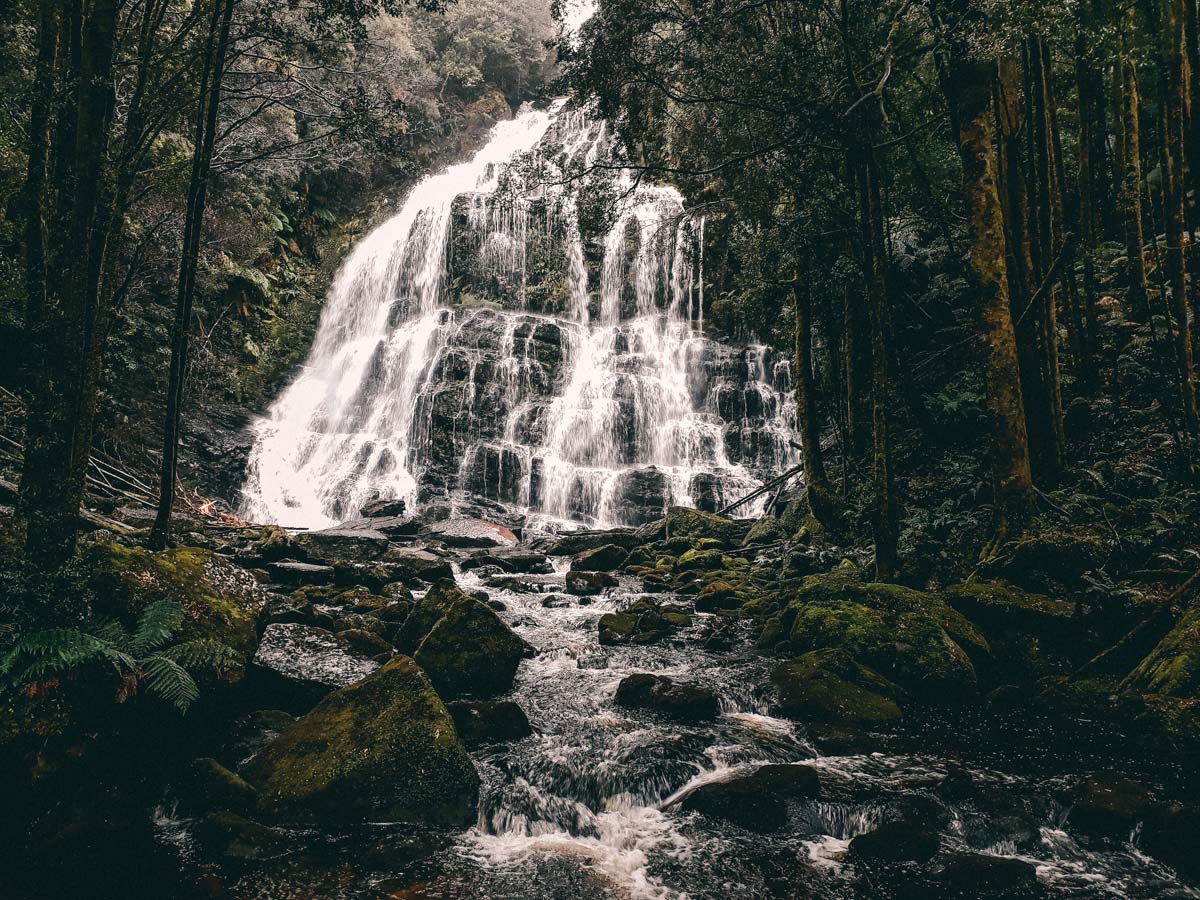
492, 349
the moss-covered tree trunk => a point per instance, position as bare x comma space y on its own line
974, 84
820, 495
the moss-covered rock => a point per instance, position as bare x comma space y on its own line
221, 600
462, 644
829, 686
385, 746
1172, 668
691, 525
911, 638
1048, 559
767, 530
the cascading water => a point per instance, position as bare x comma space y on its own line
489, 348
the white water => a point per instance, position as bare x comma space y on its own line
628, 422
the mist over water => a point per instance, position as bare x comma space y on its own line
480, 351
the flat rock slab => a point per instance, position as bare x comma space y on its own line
422, 564
390, 526
383, 508
471, 533
579, 541
354, 544
289, 571
513, 560
300, 664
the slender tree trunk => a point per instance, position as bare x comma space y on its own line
205, 140
974, 86
1131, 184
1174, 199
1092, 122
821, 499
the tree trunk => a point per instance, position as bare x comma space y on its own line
1012, 484
63, 397
1174, 199
1138, 284
821, 499
205, 140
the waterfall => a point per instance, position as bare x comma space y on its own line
491, 349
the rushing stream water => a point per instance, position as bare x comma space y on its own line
586, 806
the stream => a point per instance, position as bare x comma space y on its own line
586, 806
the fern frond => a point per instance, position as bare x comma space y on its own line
112, 632
157, 623
170, 681
204, 653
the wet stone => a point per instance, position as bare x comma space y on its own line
684, 702
489, 721
758, 801
290, 571
471, 533
299, 664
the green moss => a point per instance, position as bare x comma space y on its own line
912, 638
1172, 668
384, 746
767, 530
221, 600
829, 686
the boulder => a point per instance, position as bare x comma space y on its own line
692, 525
395, 527
588, 584
758, 801
384, 748
1172, 667
364, 642
221, 601
299, 664
684, 702
767, 530
829, 686
289, 571
895, 842
462, 644
600, 559
513, 560
642, 623
489, 721
910, 638
1171, 833
420, 564
970, 875
351, 544
574, 542
470, 533
1109, 807
383, 508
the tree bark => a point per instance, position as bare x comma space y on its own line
1012, 483
205, 140
821, 498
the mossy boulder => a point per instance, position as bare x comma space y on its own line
911, 638
645, 622
767, 530
383, 747
690, 525
1172, 668
1049, 559
221, 601
462, 644
829, 686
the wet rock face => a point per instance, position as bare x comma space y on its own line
685, 702
758, 801
298, 664
461, 643
383, 747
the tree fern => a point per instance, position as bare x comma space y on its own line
146, 655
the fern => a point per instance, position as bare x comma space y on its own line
146, 656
